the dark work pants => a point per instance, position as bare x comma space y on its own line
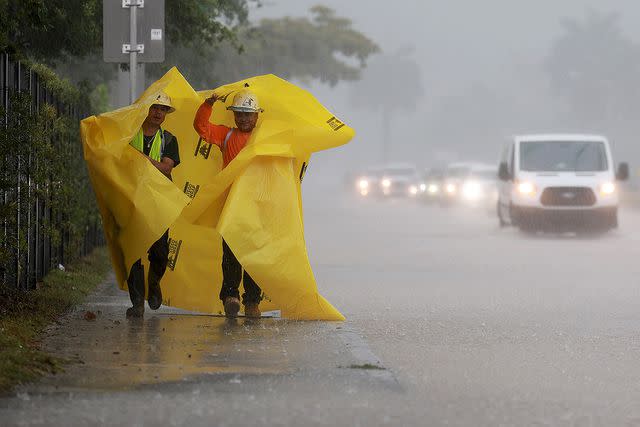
231, 275
158, 258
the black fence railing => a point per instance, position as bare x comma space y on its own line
47, 210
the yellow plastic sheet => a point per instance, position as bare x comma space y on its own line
255, 202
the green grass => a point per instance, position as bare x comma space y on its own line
23, 317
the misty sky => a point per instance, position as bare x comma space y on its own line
453, 37
461, 46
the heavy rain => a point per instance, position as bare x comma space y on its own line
477, 231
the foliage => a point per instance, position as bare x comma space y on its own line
99, 98
595, 68
63, 88
23, 316
50, 30
325, 47
55, 31
210, 41
43, 162
398, 71
204, 21
391, 83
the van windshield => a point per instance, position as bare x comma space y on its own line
563, 156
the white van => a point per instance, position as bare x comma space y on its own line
559, 181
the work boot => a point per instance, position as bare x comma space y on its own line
252, 310
231, 306
155, 293
136, 311
135, 282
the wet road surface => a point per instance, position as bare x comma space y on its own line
451, 321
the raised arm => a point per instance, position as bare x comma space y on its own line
213, 134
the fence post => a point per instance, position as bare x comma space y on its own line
4, 84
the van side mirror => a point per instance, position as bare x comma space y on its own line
623, 172
503, 172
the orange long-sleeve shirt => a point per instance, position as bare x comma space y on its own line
215, 134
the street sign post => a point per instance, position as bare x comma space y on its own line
133, 31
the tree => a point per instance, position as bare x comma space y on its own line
46, 30
55, 31
596, 69
391, 84
211, 41
325, 48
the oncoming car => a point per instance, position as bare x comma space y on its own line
430, 188
367, 183
455, 175
559, 182
400, 180
480, 187
470, 184
452, 180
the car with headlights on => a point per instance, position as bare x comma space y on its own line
367, 182
479, 189
470, 184
399, 180
559, 182
431, 185
453, 178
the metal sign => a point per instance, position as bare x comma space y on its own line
150, 31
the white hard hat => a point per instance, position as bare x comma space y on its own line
163, 99
245, 101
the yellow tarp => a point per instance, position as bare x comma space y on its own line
255, 202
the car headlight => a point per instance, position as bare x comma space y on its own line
413, 190
471, 190
386, 183
433, 188
607, 188
423, 187
363, 184
526, 188
451, 188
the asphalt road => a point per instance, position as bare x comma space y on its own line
451, 321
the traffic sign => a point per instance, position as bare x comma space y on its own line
150, 31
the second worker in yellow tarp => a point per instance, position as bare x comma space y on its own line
230, 141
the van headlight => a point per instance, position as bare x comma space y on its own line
526, 188
607, 188
386, 183
413, 190
363, 184
423, 187
433, 188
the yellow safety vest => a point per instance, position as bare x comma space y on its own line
156, 147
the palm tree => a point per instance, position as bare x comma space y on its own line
391, 83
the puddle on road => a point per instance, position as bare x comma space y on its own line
113, 353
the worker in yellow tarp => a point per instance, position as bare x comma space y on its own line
230, 141
160, 147
254, 203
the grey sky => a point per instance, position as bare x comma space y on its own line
494, 46
468, 38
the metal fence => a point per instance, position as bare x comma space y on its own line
36, 237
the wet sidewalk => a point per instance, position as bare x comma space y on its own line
115, 363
